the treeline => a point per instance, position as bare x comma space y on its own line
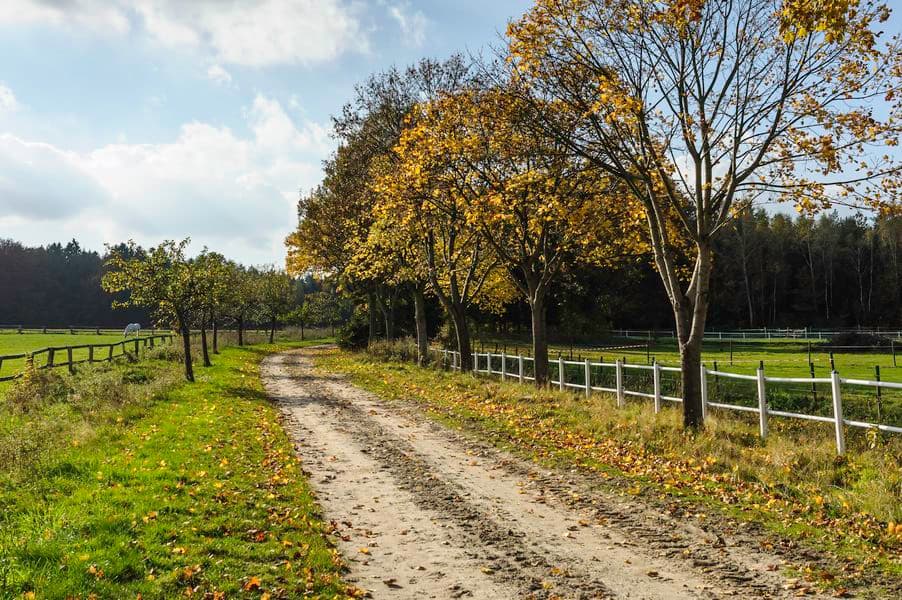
57, 286
208, 291
604, 133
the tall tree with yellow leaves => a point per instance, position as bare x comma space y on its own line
536, 207
700, 107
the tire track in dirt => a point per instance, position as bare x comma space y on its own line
421, 511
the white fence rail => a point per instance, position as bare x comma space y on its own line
752, 334
483, 363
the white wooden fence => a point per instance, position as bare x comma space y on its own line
757, 334
451, 358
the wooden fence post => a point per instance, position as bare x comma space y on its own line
110, 356
520, 366
619, 377
50, 355
69, 358
588, 372
90, 354
656, 371
503, 365
837, 413
762, 404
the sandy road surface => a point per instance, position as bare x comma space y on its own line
421, 511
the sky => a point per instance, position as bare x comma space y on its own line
163, 119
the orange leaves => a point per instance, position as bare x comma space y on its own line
252, 584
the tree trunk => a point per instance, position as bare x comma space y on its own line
302, 332
203, 342
462, 331
539, 337
241, 331
419, 305
690, 314
215, 337
371, 312
186, 346
272, 330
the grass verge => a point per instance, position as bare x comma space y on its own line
793, 486
192, 490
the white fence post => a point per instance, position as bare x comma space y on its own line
704, 390
657, 378
588, 379
453, 360
619, 373
762, 404
475, 362
560, 372
520, 366
503, 366
837, 413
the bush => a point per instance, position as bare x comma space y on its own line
853, 338
35, 389
355, 334
403, 350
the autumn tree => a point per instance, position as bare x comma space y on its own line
700, 107
375, 119
536, 207
334, 221
276, 297
213, 271
161, 278
424, 199
242, 296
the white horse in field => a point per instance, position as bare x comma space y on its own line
132, 328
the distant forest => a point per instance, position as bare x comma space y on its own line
57, 286
773, 271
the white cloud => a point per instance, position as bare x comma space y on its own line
97, 15
219, 75
241, 32
8, 102
42, 183
234, 193
413, 24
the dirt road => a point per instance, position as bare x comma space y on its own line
421, 511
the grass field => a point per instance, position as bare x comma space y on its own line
180, 490
793, 485
782, 358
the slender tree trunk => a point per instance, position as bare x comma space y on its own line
419, 305
388, 315
302, 332
538, 315
272, 330
203, 344
462, 330
215, 337
186, 346
690, 313
371, 312
241, 331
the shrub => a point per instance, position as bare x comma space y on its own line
404, 349
854, 338
354, 334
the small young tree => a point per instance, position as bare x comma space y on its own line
161, 278
276, 297
242, 297
213, 271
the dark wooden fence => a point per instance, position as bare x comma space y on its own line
64, 356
